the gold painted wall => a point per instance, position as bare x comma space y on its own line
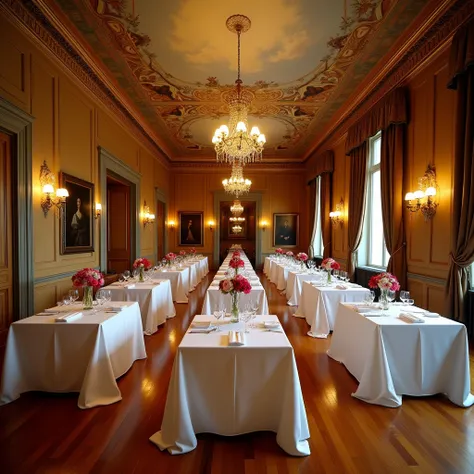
69, 125
430, 135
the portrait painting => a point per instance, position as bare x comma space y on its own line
285, 230
191, 228
77, 229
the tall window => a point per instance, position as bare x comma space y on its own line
316, 245
373, 250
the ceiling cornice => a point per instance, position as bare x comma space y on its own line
42, 27
254, 168
420, 45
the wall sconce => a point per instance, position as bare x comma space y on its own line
336, 216
424, 198
98, 210
211, 225
171, 224
47, 188
148, 218
263, 225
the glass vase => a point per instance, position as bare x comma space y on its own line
234, 313
329, 276
141, 274
383, 300
303, 267
88, 298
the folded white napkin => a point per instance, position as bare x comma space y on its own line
131, 285
412, 309
68, 317
429, 314
236, 338
201, 324
410, 318
271, 324
341, 287
207, 330
363, 308
114, 309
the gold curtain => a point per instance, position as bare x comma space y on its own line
462, 225
357, 197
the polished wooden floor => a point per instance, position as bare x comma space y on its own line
46, 433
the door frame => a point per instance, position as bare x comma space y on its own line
161, 196
108, 162
223, 196
18, 124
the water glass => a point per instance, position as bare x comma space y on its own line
404, 296
67, 299
126, 275
391, 296
73, 295
411, 301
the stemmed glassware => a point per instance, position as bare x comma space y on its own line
73, 295
391, 294
404, 296
369, 297
219, 313
246, 316
126, 275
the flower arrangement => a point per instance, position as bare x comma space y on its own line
142, 263
302, 257
170, 257
234, 286
192, 250
279, 251
182, 253
289, 253
236, 254
236, 263
330, 264
88, 277
384, 281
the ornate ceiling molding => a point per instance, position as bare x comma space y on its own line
414, 56
32, 20
258, 168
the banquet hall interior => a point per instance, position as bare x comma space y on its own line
344, 130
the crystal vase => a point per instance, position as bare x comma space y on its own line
329, 276
383, 300
141, 274
234, 313
88, 298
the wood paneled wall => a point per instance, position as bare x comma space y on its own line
69, 126
429, 141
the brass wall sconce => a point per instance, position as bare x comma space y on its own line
336, 216
211, 225
171, 225
98, 210
148, 217
264, 225
424, 199
47, 188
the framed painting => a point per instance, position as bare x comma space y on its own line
191, 228
77, 221
285, 230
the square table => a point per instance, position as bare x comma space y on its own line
319, 304
390, 357
180, 282
86, 355
244, 389
154, 298
295, 282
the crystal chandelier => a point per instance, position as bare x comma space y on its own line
237, 184
237, 219
236, 208
236, 229
234, 142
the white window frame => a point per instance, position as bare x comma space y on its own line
366, 243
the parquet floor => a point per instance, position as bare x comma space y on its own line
46, 433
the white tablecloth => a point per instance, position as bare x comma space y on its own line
155, 300
390, 357
180, 282
294, 283
319, 305
86, 355
243, 389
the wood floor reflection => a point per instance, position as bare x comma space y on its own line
45, 433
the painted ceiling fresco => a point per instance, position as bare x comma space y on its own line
176, 60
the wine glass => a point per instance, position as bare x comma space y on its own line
410, 301
100, 297
73, 295
391, 295
246, 316
107, 295
126, 275
404, 296
336, 274
67, 299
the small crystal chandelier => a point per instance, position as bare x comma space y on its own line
236, 229
236, 208
237, 184
237, 219
235, 143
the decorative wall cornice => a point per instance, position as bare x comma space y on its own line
36, 24
258, 167
416, 56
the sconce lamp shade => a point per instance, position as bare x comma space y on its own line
409, 197
419, 194
431, 191
62, 193
48, 189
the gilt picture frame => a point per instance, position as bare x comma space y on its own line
191, 228
285, 230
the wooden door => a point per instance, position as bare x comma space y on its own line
160, 229
6, 253
118, 227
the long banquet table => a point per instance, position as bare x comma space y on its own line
86, 355
319, 304
244, 389
154, 297
390, 357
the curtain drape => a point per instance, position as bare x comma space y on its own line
462, 227
326, 194
391, 175
357, 196
312, 214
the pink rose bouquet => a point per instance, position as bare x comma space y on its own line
238, 284
289, 253
384, 281
226, 286
279, 251
182, 253
302, 257
192, 250
142, 263
170, 257
236, 254
88, 277
236, 263
330, 264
